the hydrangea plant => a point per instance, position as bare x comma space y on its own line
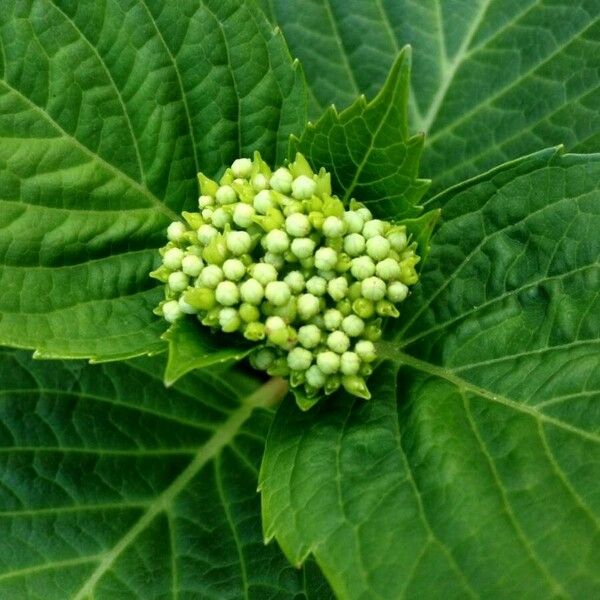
134, 438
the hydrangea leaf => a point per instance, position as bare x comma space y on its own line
474, 471
115, 487
368, 150
493, 79
107, 112
193, 346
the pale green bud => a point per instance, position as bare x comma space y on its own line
264, 273
287, 311
276, 260
362, 267
328, 362
263, 358
397, 239
205, 201
366, 350
373, 288
263, 202
192, 265
333, 319
187, 308
254, 331
243, 215
397, 292
229, 320
211, 276
252, 291
303, 247
176, 230
387, 269
241, 167
354, 222
364, 308
249, 313
178, 281
303, 187
315, 377
333, 227
225, 195
299, 359
316, 285
238, 242
338, 341
349, 363
277, 241
353, 325
338, 288
259, 182
234, 269
297, 225
344, 306
201, 298
372, 228
325, 259
308, 306
295, 281
378, 247
207, 214
172, 311
206, 233
216, 251
373, 330
356, 386
227, 293
364, 213
281, 181
354, 244
278, 293
274, 324
309, 336
172, 258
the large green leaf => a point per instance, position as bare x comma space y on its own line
493, 79
113, 487
475, 469
107, 112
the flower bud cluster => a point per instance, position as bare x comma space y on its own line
274, 256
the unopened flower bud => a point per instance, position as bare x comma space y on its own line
263, 202
277, 241
299, 359
373, 288
328, 362
354, 222
241, 167
303, 187
263, 358
337, 288
397, 239
362, 267
353, 325
309, 336
325, 259
206, 233
202, 298
354, 244
233, 269
259, 182
229, 320
281, 181
378, 247
315, 377
297, 225
372, 228
333, 319
178, 281
211, 276
249, 312
366, 350
303, 247
220, 218
316, 285
172, 258
264, 273
295, 281
338, 341
397, 292
276, 260
176, 230
172, 311
205, 201
363, 308
387, 269
349, 363
227, 293
226, 195
333, 227
238, 242
192, 265
277, 293
243, 215
252, 291
308, 306
365, 214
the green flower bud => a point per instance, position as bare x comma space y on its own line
227, 293
355, 291
333, 227
278, 293
338, 288
293, 207
332, 384
303, 247
373, 331
211, 319
243, 215
344, 306
297, 225
387, 269
276, 260
264, 273
176, 230
349, 363
274, 324
277, 241
201, 298
241, 167
249, 313
366, 350
353, 221
172, 311
385, 308
211, 276
362, 267
308, 306
315, 377
397, 238
303, 187
354, 244
205, 201
239, 242
254, 331
309, 336
343, 263
316, 285
299, 359
263, 201
252, 292
397, 292
333, 319
216, 251
229, 320
260, 182
378, 247
172, 258
207, 214
295, 281
220, 218
364, 308
373, 288
234, 269
338, 341
364, 213
372, 228
353, 325
192, 265
281, 181
356, 386
325, 259
178, 281
328, 362
263, 358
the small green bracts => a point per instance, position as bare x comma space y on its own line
275, 257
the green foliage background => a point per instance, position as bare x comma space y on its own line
473, 471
